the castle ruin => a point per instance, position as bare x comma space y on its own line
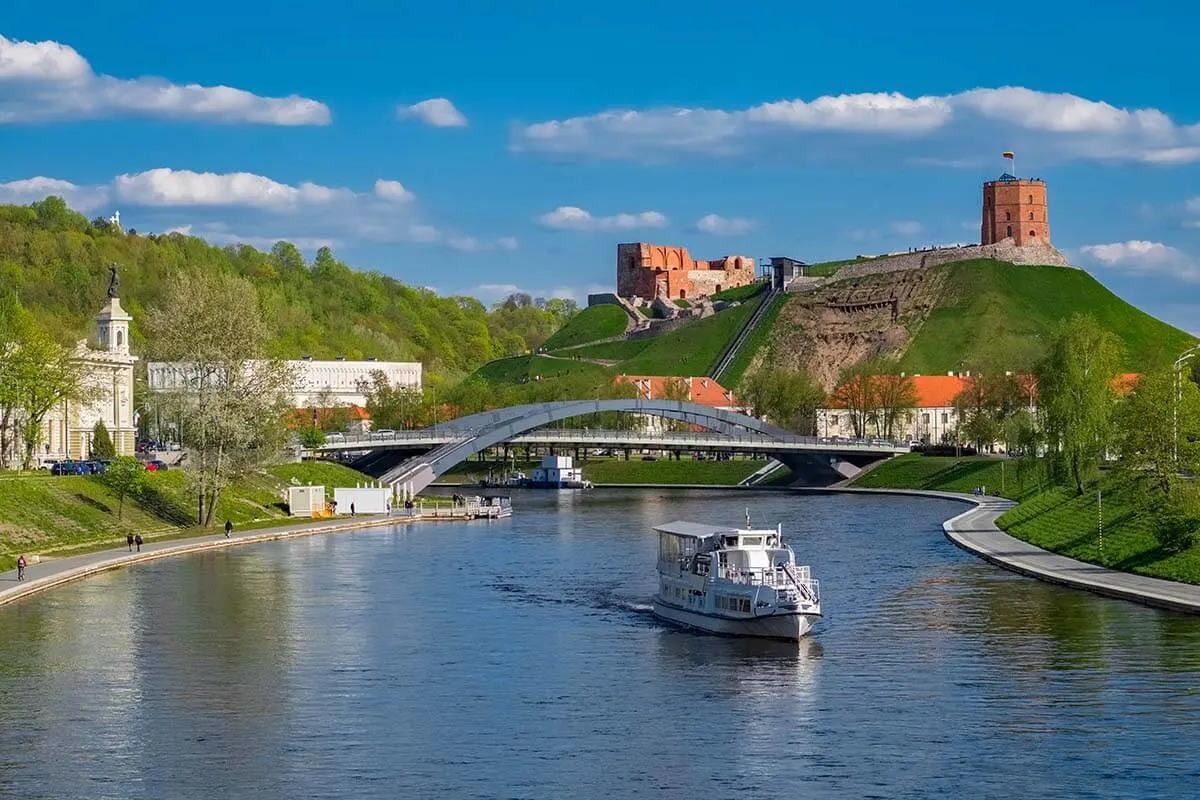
649, 271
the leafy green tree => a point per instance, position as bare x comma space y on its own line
788, 398
895, 399
236, 402
125, 476
985, 405
391, 406
312, 437
1077, 395
1150, 440
102, 443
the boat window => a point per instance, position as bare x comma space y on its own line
749, 540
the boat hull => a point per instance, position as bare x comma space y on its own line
789, 626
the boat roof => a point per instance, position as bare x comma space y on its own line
698, 530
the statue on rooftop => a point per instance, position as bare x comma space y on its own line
113, 281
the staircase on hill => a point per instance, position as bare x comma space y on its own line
731, 350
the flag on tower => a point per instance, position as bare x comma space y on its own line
1009, 155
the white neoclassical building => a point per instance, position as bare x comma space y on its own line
340, 382
108, 376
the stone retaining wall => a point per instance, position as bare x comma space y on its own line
1001, 251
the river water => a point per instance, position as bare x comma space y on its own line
518, 659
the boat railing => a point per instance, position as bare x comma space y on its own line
787, 577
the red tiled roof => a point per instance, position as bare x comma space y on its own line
704, 391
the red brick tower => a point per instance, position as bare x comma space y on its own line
1015, 208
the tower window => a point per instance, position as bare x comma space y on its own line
1030, 199
1008, 216
120, 338
1010, 230
1031, 216
1031, 233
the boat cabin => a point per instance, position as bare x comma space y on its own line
695, 548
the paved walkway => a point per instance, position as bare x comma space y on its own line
975, 531
55, 572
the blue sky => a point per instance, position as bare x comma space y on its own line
476, 147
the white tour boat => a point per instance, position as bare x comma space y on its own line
733, 581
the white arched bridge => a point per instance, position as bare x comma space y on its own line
453, 442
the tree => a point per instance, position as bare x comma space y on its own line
102, 443
42, 374
1076, 395
985, 404
312, 437
125, 476
394, 406
856, 394
789, 399
895, 399
236, 401
1147, 424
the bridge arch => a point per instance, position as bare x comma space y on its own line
481, 431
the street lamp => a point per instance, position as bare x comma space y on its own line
1184, 357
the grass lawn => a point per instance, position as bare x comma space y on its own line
739, 293
690, 350
608, 351
44, 514
753, 344
1055, 519
997, 311
594, 322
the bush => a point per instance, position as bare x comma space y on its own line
1175, 530
312, 437
102, 443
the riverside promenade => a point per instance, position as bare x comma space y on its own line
55, 572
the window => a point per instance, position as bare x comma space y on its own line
945, 418
833, 419
1008, 216
1010, 230
1032, 233
1031, 216
924, 419
1030, 199
120, 338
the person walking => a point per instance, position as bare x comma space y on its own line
228, 528
137, 540
21, 567
129, 541
352, 508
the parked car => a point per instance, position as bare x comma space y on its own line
63, 468
335, 437
156, 466
384, 433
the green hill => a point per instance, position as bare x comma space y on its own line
991, 310
590, 325
57, 263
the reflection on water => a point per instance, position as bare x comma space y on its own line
519, 658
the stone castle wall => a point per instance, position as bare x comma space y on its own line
1005, 250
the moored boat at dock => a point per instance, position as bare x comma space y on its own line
733, 581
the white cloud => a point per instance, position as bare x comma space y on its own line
572, 218
29, 190
182, 230
168, 187
319, 215
48, 80
1139, 257
393, 191
717, 225
489, 293
944, 130
907, 227
437, 111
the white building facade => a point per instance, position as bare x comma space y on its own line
335, 382
108, 379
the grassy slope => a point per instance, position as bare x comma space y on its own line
753, 344
42, 514
609, 351
992, 310
739, 293
594, 322
691, 349
1055, 519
